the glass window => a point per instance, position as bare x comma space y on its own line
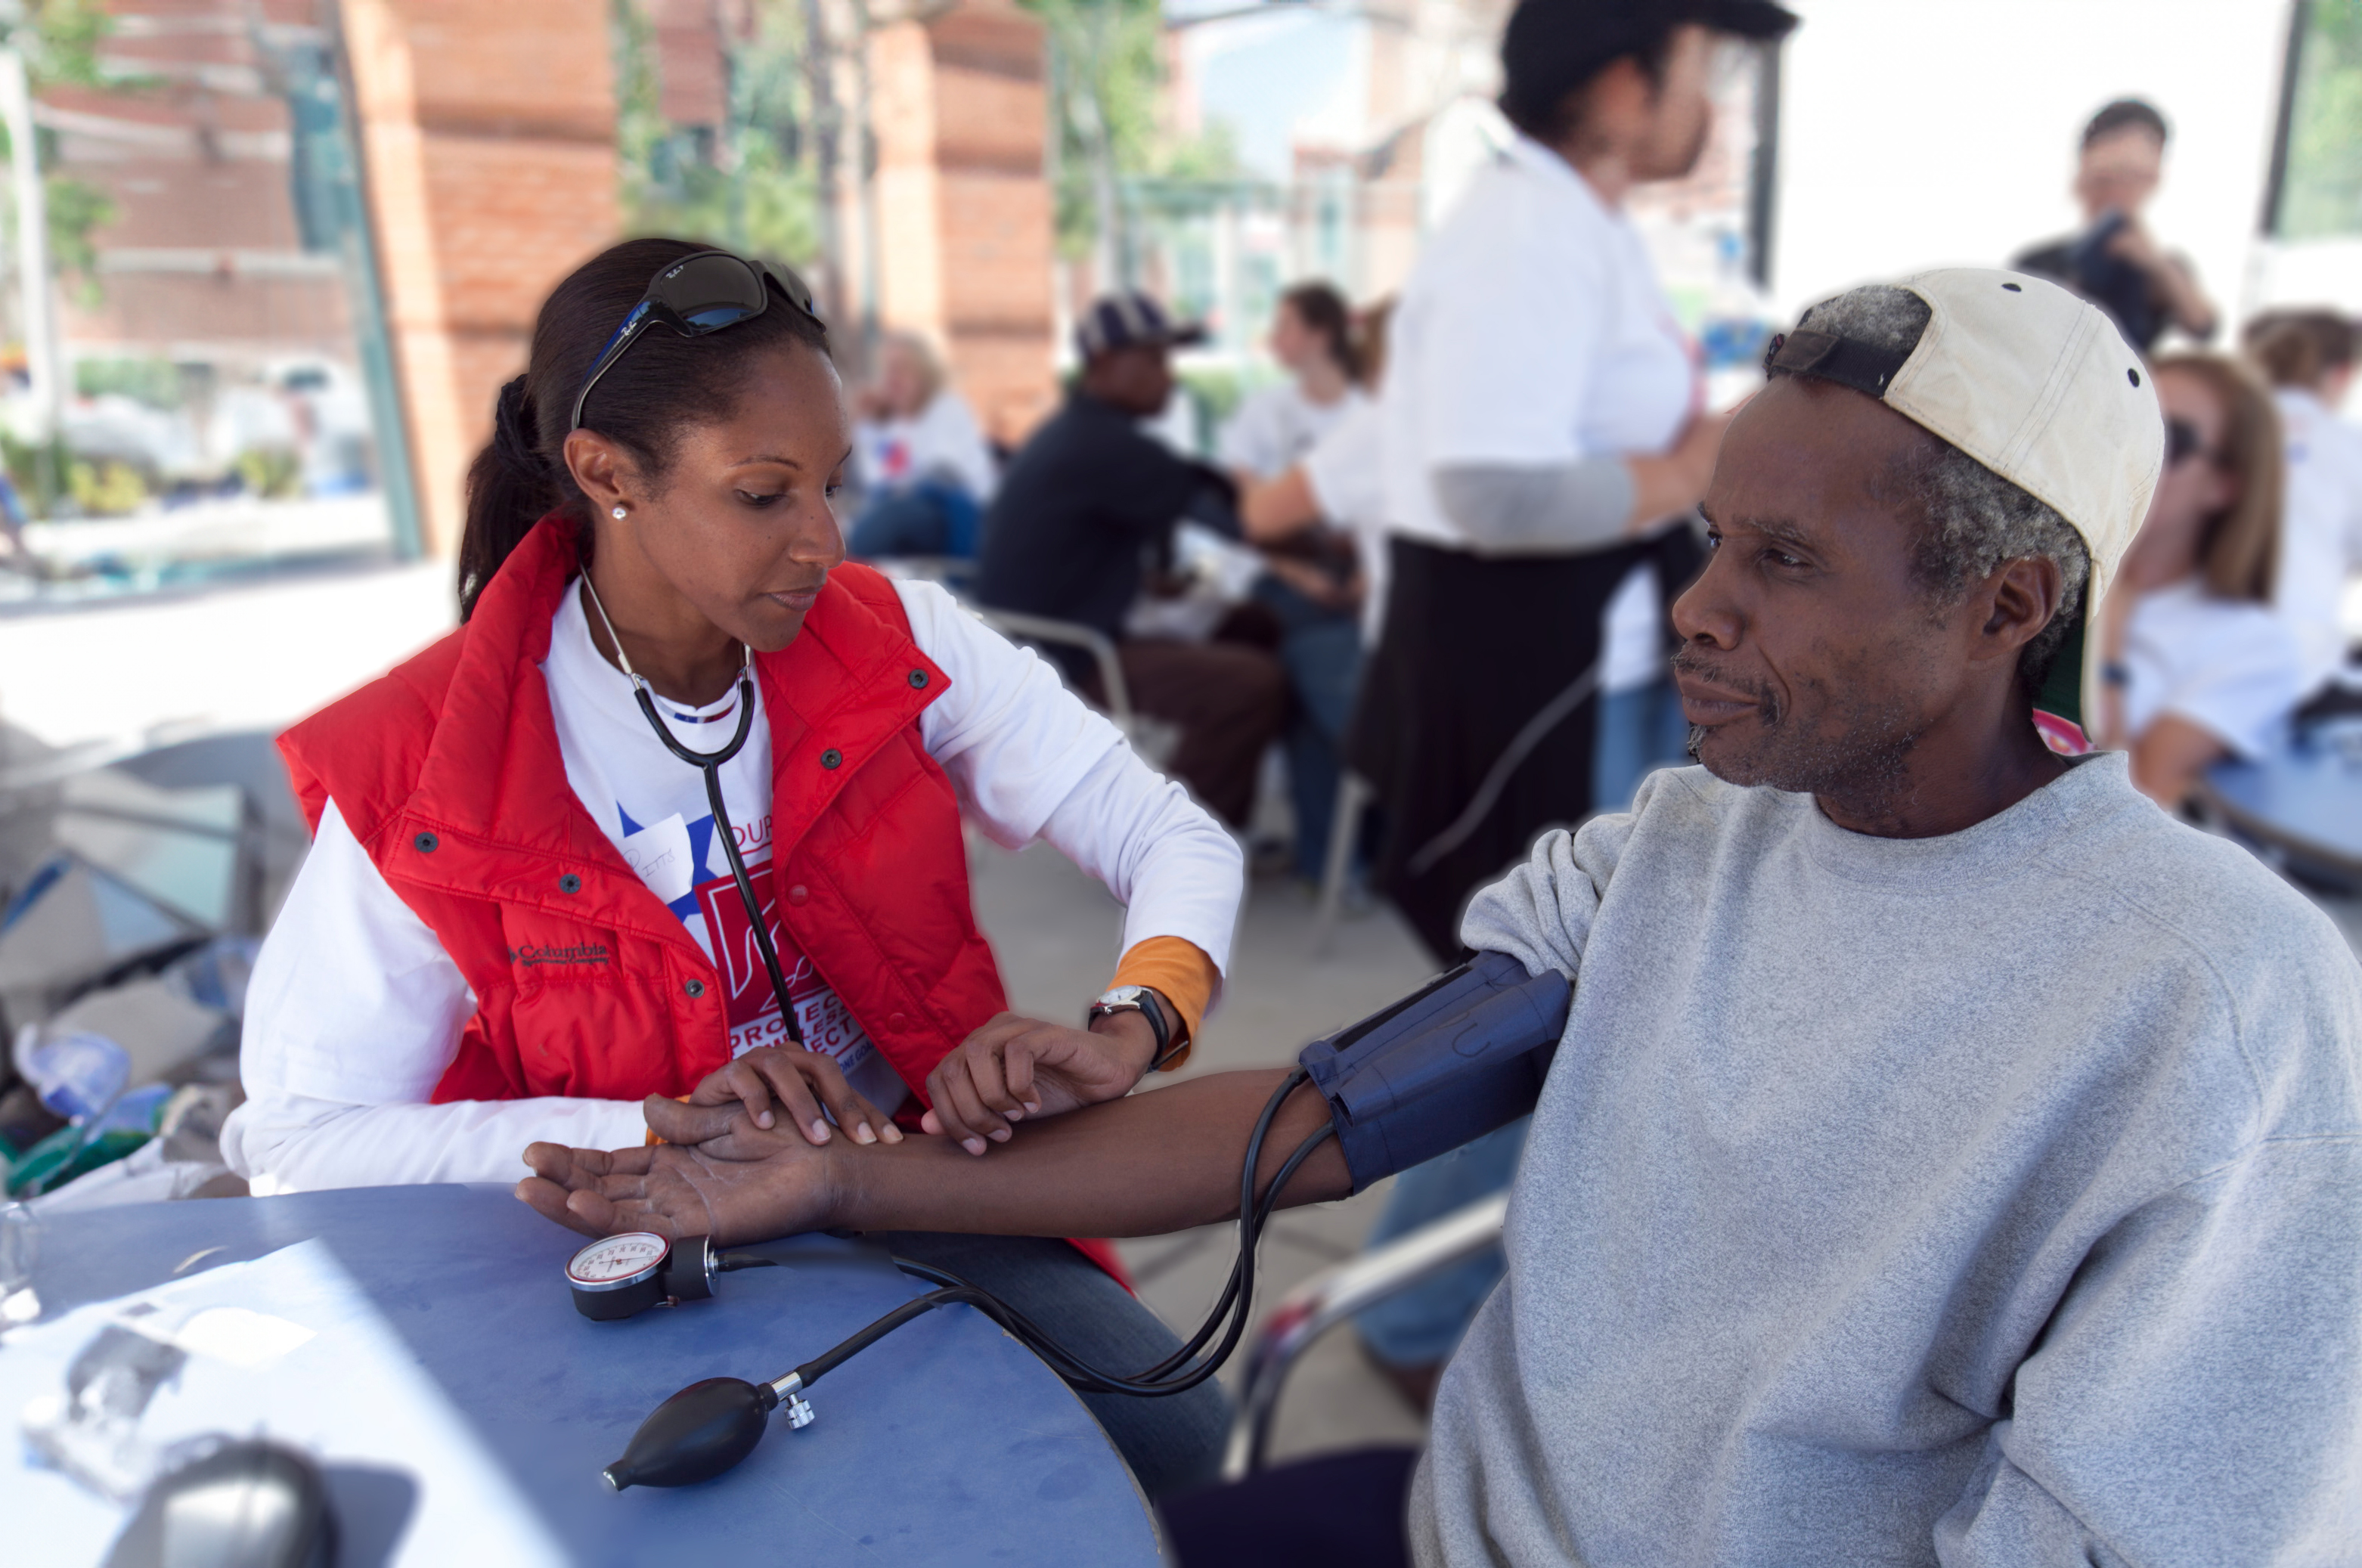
2318, 193
202, 383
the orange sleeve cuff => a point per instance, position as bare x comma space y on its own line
1180, 972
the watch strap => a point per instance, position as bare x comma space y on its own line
1149, 1005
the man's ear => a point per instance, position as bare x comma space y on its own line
2017, 601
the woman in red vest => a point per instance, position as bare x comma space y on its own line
540, 845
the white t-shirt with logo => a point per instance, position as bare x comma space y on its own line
2230, 667
1533, 332
654, 806
940, 441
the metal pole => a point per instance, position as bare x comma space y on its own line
866, 170
41, 367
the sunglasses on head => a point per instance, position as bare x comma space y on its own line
2183, 443
696, 295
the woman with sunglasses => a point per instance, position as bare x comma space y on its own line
677, 811
2198, 667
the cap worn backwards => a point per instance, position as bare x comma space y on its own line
2031, 381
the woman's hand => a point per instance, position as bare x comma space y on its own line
679, 1191
1015, 1067
802, 1081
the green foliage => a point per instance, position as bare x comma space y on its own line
156, 382
34, 470
60, 40
272, 473
77, 211
2322, 195
105, 488
1106, 67
61, 45
744, 184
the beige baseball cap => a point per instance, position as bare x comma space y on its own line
2039, 386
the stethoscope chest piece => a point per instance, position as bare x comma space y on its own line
621, 1276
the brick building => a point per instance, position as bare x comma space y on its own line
486, 137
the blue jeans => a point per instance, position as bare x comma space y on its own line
1170, 1442
929, 518
1640, 730
1422, 1326
1321, 648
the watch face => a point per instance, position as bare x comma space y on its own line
618, 1260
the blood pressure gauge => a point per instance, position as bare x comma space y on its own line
620, 1276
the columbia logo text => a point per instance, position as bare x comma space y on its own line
582, 953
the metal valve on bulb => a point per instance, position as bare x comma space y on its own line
704, 1429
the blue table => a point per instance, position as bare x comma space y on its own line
2305, 804
947, 1442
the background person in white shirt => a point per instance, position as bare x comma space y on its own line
1313, 585
924, 471
1542, 425
2198, 665
2308, 357
1312, 339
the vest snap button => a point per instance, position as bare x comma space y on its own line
897, 1020
570, 883
830, 757
425, 842
917, 680
695, 988
799, 894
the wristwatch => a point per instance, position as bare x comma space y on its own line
1144, 1001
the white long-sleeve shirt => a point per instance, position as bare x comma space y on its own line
355, 1011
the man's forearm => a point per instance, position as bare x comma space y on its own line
1139, 1166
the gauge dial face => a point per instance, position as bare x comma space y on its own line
617, 1259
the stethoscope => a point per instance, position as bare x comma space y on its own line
710, 764
710, 1425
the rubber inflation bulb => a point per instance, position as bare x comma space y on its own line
695, 1435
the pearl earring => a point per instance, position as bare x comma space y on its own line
617, 514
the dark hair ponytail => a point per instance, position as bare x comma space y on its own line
664, 385
1323, 310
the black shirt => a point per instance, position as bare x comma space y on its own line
2081, 262
1086, 502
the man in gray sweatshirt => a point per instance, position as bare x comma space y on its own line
1949, 1158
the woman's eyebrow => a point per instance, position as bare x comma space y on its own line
759, 463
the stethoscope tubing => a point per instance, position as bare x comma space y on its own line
709, 763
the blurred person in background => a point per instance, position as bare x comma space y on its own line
2308, 358
1086, 515
1312, 339
523, 914
1339, 482
924, 472
1543, 443
2115, 263
2196, 664
1313, 583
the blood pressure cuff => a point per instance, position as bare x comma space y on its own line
1441, 1067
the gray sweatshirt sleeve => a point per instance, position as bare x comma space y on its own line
1540, 913
2197, 1396
1557, 509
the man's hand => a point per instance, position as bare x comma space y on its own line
681, 1191
803, 1082
1015, 1067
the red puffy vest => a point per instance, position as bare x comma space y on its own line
447, 771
